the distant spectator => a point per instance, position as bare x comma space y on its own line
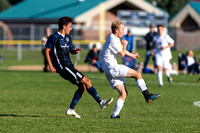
44, 40
1, 58
128, 61
182, 66
93, 58
129, 37
192, 65
149, 43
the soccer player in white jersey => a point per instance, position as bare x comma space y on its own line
163, 43
115, 72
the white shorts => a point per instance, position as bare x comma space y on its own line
116, 75
164, 62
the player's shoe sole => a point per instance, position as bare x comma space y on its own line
153, 97
116, 117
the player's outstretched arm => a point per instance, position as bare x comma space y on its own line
169, 46
132, 55
76, 51
123, 52
52, 69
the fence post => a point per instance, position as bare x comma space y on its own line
78, 56
19, 51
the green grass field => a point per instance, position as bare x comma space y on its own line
33, 101
36, 102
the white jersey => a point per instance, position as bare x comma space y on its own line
161, 41
108, 55
190, 60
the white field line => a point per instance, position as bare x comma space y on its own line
196, 103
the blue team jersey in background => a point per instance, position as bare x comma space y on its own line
60, 47
129, 46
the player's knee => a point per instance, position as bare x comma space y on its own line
88, 83
123, 95
138, 75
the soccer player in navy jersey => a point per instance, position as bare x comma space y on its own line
60, 44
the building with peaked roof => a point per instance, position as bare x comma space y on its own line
185, 27
28, 19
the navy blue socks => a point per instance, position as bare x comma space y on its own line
77, 96
75, 99
94, 94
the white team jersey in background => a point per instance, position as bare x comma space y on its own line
109, 53
160, 41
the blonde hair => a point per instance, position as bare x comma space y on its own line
190, 53
115, 25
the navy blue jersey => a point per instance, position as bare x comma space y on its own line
60, 47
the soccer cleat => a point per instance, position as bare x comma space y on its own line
153, 97
116, 117
71, 112
170, 79
104, 103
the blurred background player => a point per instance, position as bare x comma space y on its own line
187, 63
93, 58
149, 43
60, 44
192, 65
115, 72
128, 61
44, 41
162, 43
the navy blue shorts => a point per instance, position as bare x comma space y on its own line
71, 74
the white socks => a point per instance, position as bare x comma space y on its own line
160, 78
167, 74
118, 106
141, 85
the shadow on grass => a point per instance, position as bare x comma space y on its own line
34, 116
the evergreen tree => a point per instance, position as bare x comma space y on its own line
170, 6
4, 4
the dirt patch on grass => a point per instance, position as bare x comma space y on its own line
82, 68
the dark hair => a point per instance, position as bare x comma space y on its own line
151, 26
160, 25
63, 21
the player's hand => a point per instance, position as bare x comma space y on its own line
78, 50
94, 61
136, 55
124, 42
152, 53
163, 47
52, 69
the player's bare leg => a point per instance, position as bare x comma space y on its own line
121, 88
134, 74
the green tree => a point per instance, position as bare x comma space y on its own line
4, 4
171, 6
